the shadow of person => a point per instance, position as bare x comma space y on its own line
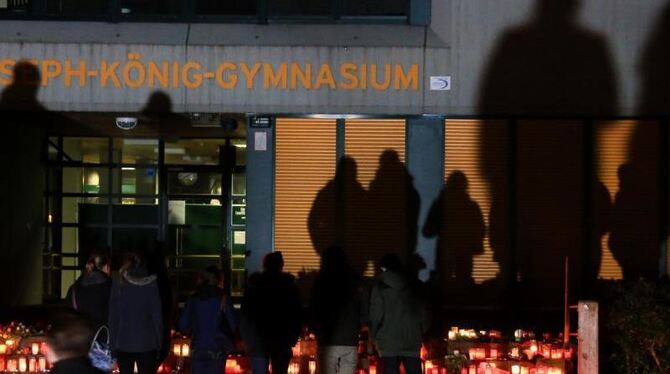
634, 240
158, 115
393, 204
24, 123
550, 67
323, 219
457, 221
636, 235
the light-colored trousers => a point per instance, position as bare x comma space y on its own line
338, 359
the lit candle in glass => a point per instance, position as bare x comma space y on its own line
494, 353
472, 353
2, 364
515, 352
176, 350
373, 369
35, 349
481, 353
42, 363
32, 365
312, 366
524, 370
11, 365
23, 364
9, 342
185, 350
516, 369
472, 369
3, 349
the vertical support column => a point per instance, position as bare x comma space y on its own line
260, 191
587, 360
425, 162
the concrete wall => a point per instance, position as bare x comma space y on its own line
460, 42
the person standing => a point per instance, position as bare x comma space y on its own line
90, 293
398, 318
68, 341
338, 312
209, 317
135, 318
271, 316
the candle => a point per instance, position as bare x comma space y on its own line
546, 350
11, 365
451, 335
516, 369
3, 349
9, 342
556, 354
472, 369
23, 364
2, 364
481, 353
472, 353
494, 353
428, 367
32, 365
176, 350
373, 369
185, 350
524, 370
42, 363
35, 348
312, 366
515, 352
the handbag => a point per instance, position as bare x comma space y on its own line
100, 353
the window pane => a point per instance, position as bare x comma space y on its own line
85, 180
135, 151
165, 7
375, 7
193, 152
84, 210
239, 184
192, 183
299, 8
91, 150
141, 181
15, 6
77, 7
240, 151
124, 240
143, 214
225, 7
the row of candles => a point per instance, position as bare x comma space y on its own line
28, 359
545, 350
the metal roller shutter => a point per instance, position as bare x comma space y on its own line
305, 160
377, 216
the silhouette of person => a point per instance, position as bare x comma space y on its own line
394, 209
549, 67
271, 316
338, 307
458, 223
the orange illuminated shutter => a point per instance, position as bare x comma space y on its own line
375, 194
462, 246
305, 160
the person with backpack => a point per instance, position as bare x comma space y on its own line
135, 317
209, 318
89, 295
398, 318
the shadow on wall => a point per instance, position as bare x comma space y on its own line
458, 223
549, 67
24, 121
370, 222
637, 236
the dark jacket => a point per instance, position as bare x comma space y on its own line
77, 365
271, 313
338, 309
135, 319
90, 296
204, 317
398, 316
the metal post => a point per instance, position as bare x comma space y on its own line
587, 359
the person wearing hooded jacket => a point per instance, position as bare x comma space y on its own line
209, 317
135, 317
398, 319
89, 295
